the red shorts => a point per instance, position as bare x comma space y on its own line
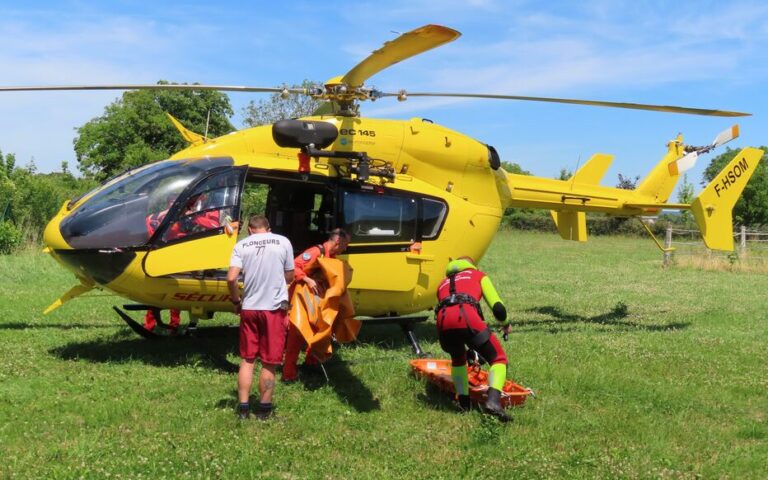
262, 334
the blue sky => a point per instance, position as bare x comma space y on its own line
699, 54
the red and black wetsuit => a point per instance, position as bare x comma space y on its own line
460, 321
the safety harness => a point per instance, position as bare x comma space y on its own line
476, 340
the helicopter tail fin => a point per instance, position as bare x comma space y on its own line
573, 225
661, 181
190, 136
713, 208
594, 170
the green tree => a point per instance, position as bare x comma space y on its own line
512, 167
752, 208
29, 199
134, 129
685, 195
276, 108
565, 174
627, 183
7, 187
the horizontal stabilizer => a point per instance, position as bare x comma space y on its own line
594, 170
713, 208
658, 206
571, 225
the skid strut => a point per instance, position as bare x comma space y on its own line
161, 331
406, 324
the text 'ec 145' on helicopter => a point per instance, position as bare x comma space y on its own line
411, 193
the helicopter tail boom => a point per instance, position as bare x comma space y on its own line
569, 200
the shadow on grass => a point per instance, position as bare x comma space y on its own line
435, 398
67, 326
347, 386
393, 337
616, 317
208, 348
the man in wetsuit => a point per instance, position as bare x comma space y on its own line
460, 325
304, 265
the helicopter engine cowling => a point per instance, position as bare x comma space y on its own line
303, 133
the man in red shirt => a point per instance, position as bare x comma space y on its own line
304, 265
460, 325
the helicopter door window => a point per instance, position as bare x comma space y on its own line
212, 204
432, 217
373, 217
127, 210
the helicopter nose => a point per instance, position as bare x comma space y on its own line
91, 265
52, 235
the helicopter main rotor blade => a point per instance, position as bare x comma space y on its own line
598, 103
405, 46
224, 88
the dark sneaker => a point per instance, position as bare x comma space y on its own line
465, 404
243, 412
264, 414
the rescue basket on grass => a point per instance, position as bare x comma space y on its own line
438, 372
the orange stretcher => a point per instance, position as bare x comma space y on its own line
438, 372
329, 314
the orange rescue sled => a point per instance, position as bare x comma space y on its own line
439, 373
320, 317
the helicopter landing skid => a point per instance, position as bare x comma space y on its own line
162, 331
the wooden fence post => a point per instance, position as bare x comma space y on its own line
667, 247
743, 242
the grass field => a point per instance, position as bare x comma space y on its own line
640, 372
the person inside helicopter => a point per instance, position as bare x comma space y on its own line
153, 222
204, 211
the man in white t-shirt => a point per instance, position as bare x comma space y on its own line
266, 260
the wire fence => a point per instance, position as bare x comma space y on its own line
686, 247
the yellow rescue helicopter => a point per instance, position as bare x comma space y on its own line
412, 194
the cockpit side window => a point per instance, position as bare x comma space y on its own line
207, 208
373, 217
126, 210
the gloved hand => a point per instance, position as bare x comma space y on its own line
506, 329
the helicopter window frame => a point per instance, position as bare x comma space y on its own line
174, 216
437, 229
419, 234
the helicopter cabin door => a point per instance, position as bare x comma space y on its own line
383, 227
199, 236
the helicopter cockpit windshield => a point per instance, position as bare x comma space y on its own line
127, 210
